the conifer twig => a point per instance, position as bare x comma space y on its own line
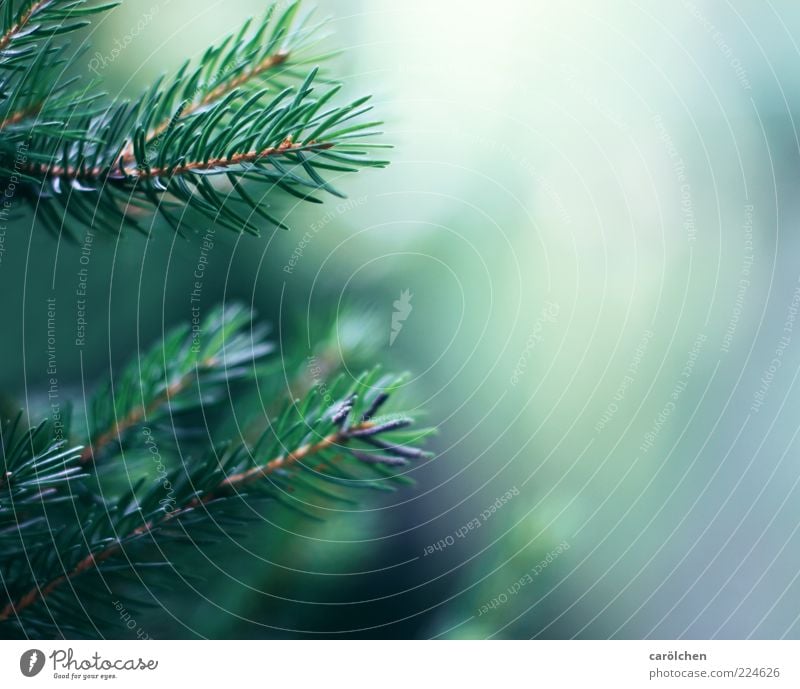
133, 417
162, 374
20, 115
122, 173
243, 110
21, 23
243, 116
93, 559
36, 593
267, 64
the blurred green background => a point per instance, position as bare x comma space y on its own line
593, 206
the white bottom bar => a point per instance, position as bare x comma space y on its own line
402, 664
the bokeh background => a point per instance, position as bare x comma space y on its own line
594, 207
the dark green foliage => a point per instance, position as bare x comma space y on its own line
192, 368
37, 98
68, 525
244, 123
169, 451
36, 465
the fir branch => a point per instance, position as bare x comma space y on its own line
20, 23
223, 89
267, 64
34, 462
284, 461
131, 174
223, 349
41, 100
247, 141
19, 40
207, 486
239, 61
16, 28
197, 142
94, 559
16, 17
36, 466
248, 113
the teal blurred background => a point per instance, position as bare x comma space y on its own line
594, 208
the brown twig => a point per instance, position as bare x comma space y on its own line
137, 173
297, 455
93, 559
139, 413
216, 93
8, 36
222, 90
20, 115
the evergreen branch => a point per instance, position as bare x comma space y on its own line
34, 462
223, 349
206, 485
19, 115
41, 100
141, 173
136, 416
94, 559
249, 113
197, 142
19, 35
268, 63
22, 21
217, 118
237, 62
36, 466
248, 140
285, 461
